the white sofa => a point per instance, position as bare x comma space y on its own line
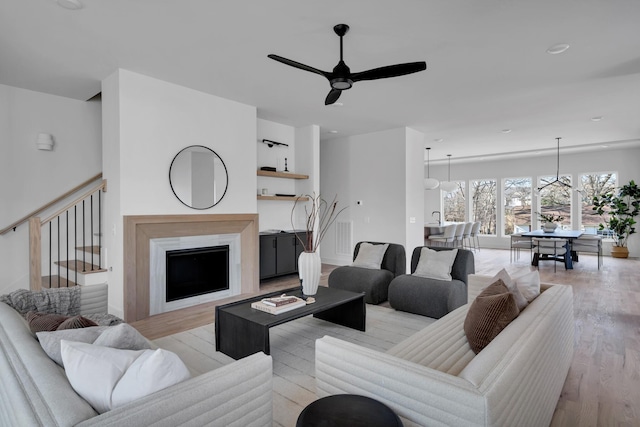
433, 378
34, 390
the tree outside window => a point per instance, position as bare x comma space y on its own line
517, 205
484, 204
454, 203
595, 184
556, 199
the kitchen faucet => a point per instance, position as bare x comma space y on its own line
439, 216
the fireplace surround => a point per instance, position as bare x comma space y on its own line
139, 230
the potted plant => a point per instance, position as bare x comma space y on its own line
621, 206
549, 221
323, 214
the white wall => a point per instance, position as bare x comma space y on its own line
30, 178
146, 123
384, 171
623, 161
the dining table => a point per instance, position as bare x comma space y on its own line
569, 235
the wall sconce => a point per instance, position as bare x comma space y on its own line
44, 141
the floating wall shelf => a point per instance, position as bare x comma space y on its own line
282, 174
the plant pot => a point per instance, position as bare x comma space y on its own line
620, 252
549, 227
309, 266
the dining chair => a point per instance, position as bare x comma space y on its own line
459, 236
548, 249
475, 231
519, 242
466, 235
447, 238
588, 243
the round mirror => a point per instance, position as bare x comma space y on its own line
198, 177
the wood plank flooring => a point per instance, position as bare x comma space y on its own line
603, 384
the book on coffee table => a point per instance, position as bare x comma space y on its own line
272, 309
281, 300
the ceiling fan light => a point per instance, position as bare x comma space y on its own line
431, 183
341, 83
448, 186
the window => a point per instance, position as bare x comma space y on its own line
484, 204
556, 199
595, 184
454, 204
517, 205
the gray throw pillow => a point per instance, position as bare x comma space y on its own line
370, 256
50, 341
122, 336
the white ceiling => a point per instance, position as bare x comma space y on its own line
487, 69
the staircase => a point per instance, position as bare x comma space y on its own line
65, 248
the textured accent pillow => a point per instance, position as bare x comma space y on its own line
107, 377
122, 336
50, 341
435, 264
529, 285
44, 321
489, 314
370, 256
76, 322
511, 284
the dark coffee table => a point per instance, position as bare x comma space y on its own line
347, 410
242, 330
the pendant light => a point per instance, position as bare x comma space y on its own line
430, 183
448, 186
557, 180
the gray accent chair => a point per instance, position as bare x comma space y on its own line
432, 297
374, 283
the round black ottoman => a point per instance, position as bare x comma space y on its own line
347, 410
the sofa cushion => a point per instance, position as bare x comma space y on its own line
529, 284
108, 378
76, 322
122, 336
370, 256
44, 321
489, 314
50, 340
511, 284
436, 264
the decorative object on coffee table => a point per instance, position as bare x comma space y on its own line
347, 410
321, 215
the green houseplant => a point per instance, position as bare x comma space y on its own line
621, 206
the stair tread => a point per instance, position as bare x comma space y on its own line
56, 282
80, 267
94, 249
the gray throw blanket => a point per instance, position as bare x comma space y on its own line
65, 301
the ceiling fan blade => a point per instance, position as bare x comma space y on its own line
332, 97
389, 71
297, 65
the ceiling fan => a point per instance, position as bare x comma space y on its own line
341, 78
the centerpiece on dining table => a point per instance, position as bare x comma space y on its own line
550, 222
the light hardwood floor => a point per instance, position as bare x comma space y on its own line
603, 384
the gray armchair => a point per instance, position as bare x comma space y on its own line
374, 283
432, 297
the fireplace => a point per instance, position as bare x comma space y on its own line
196, 271
141, 230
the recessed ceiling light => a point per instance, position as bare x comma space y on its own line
605, 146
333, 131
506, 130
438, 140
557, 48
337, 104
596, 118
70, 4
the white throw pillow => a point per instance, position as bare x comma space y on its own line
370, 256
436, 264
521, 301
95, 372
151, 372
529, 285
